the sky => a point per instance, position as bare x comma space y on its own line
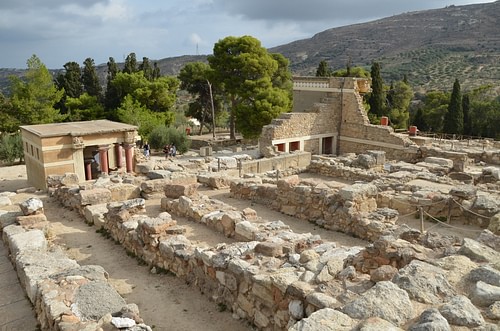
61, 31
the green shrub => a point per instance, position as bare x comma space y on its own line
11, 148
162, 135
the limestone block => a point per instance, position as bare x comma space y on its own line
31, 206
156, 225
358, 192
36, 265
121, 192
174, 191
8, 218
159, 174
379, 156
95, 299
94, 197
447, 163
246, 230
269, 249
479, 252
27, 241
32, 221
325, 319
206, 151
69, 179
94, 214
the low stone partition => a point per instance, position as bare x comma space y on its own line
296, 160
155, 188
65, 295
352, 209
330, 167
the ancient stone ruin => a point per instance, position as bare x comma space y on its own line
425, 214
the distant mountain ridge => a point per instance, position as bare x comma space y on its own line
430, 47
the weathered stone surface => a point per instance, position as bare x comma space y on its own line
159, 174
27, 241
174, 191
122, 322
32, 221
358, 192
431, 320
269, 249
478, 252
325, 320
246, 230
296, 309
489, 238
384, 300
94, 196
460, 311
376, 324
484, 294
382, 273
96, 299
447, 163
36, 265
8, 218
5, 201
464, 191
121, 192
494, 225
424, 282
487, 274
32, 206
69, 179
94, 214
320, 300
493, 311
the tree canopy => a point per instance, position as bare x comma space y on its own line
252, 81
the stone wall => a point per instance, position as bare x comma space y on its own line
352, 210
297, 160
66, 295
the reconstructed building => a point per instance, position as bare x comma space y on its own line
328, 117
85, 148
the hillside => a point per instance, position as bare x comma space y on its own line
432, 47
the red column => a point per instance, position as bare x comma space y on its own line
118, 154
129, 157
103, 159
88, 170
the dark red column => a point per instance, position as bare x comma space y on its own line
88, 169
118, 154
129, 157
103, 159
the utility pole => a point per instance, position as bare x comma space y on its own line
213, 110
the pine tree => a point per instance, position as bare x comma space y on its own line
156, 71
377, 98
454, 118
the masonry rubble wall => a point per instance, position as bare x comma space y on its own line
352, 209
66, 295
295, 160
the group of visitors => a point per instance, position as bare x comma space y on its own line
170, 150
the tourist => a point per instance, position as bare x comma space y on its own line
166, 150
147, 150
173, 150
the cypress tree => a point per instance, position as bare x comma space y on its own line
146, 68
323, 70
377, 98
130, 64
454, 118
111, 97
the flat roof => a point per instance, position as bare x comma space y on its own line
77, 128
